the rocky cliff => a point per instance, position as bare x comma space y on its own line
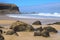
8, 9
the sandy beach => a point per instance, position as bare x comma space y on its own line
28, 35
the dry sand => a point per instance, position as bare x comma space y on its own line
29, 35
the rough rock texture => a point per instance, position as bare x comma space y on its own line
21, 26
44, 31
50, 29
36, 23
8, 8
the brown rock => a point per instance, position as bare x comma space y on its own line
21, 26
8, 8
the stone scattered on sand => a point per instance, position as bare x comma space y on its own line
21, 26
50, 29
36, 23
45, 32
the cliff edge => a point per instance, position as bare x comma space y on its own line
8, 8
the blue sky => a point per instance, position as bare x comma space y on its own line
27, 5
30, 2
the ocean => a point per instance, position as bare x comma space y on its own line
45, 18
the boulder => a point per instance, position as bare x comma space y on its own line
50, 29
36, 23
21, 26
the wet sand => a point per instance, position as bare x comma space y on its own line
29, 35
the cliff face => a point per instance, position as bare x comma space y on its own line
8, 9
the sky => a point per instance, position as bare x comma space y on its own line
35, 5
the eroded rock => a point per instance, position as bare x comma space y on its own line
21, 26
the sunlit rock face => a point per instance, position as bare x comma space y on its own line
19, 26
8, 9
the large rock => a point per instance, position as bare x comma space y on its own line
21, 26
8, 8
36, 23
50, 29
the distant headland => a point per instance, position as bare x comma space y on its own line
9, 8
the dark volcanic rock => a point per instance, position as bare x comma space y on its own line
21, 26
8, 8
36, 23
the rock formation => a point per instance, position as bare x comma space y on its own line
50, 29
21, 26
44, 31
8, 8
